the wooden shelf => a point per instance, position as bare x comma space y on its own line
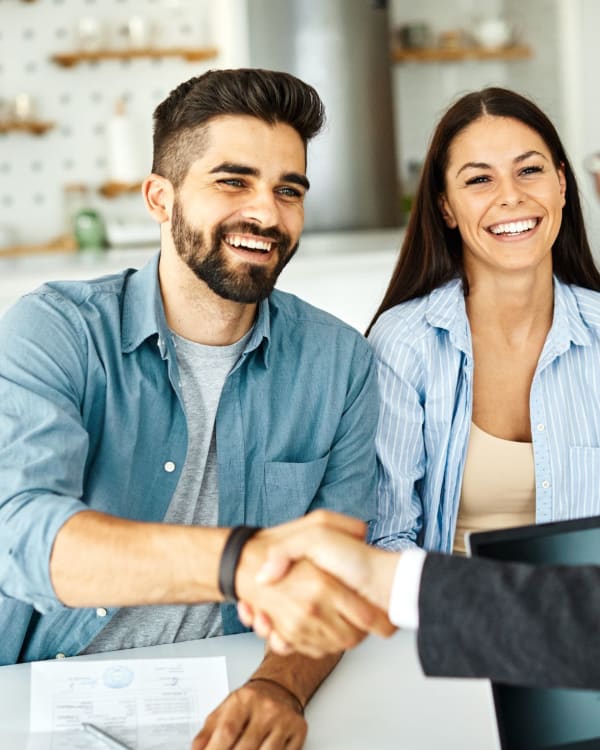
191, 54
439, 54
62, 244
35, 127
114, 189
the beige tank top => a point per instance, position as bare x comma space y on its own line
498, 487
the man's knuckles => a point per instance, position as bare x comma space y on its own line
226, 730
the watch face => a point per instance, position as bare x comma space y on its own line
592, 163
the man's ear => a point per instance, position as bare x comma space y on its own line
158, 196
447, 212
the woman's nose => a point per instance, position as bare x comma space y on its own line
510, 193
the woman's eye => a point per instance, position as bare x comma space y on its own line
478, 180
532, 169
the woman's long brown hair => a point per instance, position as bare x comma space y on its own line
431, 253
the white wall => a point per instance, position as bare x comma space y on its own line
562, 77
424, 90
345, 274
81, 99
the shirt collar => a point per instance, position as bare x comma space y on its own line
143, 313
144, 316
446, 309
568, 325
261, 334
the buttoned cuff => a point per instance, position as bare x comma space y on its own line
403, 609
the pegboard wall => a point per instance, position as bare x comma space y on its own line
80, 100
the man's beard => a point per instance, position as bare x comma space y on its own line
248, 282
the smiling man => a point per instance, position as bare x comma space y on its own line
146, 414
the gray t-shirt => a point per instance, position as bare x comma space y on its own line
203, 370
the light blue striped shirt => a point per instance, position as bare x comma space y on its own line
425, 366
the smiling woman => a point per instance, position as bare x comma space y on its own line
488, 337
505, 197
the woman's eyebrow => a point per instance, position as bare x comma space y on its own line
473, 165
516, 160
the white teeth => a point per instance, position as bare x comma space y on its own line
514, 227
249, 244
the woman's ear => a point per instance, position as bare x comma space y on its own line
158, 196
447, 212
562, 183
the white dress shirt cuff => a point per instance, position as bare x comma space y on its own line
403, 609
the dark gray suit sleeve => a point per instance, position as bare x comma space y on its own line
530, 625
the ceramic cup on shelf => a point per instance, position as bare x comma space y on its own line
23, 107
416, 35
493, 32
139, 33
90, 33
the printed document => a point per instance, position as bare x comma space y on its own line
146, 704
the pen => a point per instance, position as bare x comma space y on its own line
104, 737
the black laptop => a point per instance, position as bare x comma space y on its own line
535, 719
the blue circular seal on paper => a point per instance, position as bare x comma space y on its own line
117, 677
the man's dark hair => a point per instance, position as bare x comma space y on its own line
271, 96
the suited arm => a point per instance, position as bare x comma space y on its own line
514, 623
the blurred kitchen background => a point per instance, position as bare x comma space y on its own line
79, 80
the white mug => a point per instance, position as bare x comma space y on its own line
493, 32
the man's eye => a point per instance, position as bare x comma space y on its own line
290, 192
478, 180
232, 182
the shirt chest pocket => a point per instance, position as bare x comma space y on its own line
290, 488
583, 482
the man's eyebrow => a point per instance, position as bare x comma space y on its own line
296, 177
230, 168
243, 169
516, 160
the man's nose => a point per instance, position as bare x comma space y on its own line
261, 208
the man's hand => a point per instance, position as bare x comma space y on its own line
258, 715
366, 570
309, 609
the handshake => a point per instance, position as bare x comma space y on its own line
313, 585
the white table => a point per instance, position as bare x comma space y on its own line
377, 698
345, 273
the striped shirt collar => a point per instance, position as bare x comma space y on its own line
446, 310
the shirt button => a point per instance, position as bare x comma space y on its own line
101, 612
540, 428
169, 467
545, 484
60, 656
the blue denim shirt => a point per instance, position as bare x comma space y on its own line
91, 416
